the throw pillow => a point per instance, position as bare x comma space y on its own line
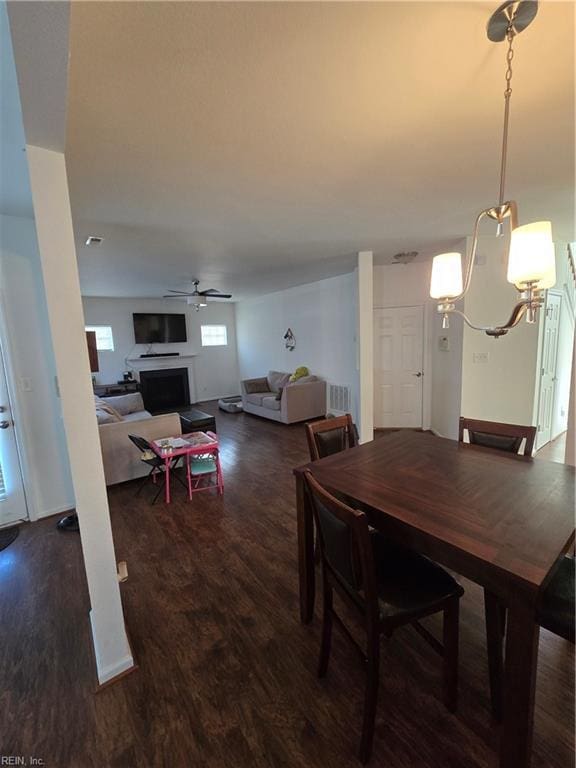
306, 379
107, 416
298, 373
277, 380
253, 386
102, 407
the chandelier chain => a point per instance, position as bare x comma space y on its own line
510, 34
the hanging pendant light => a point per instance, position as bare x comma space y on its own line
531, 263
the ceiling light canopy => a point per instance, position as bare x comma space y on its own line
531, 262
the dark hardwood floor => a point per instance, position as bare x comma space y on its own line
227, 674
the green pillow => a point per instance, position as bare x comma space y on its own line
299, 373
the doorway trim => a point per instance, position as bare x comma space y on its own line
8, 357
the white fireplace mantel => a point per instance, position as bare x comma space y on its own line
156, 363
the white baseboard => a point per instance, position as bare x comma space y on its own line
53, 511
109, 672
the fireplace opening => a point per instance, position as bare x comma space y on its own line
165, 389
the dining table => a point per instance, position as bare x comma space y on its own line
498, 519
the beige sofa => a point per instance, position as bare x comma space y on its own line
121, 457
274, 397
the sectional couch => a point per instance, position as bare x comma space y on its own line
125, 415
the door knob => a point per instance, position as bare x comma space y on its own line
417, 374
4, 424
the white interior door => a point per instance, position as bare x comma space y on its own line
12, 498
398, 351
548, 369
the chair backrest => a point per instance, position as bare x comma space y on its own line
501, 437
330, 436
345, 547
140, 442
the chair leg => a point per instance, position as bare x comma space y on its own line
494, 638
161, 487
370, 696
144, 481
326, 630
451, 638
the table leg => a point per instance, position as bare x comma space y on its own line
220, 476
188, 476
519, 687
167, 478
305, 552
494, 642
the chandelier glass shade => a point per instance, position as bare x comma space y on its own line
531, 259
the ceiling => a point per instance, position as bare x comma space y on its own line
261, 145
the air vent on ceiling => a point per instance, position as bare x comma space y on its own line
405, 257
94, 240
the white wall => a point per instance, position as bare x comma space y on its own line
212, 373
28, 343
501, 387
408, 285
322, 316
365, 346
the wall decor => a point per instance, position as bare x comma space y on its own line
290, 340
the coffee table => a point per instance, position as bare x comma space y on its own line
194, 420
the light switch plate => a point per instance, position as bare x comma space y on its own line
480, 357
444, 344
26, 384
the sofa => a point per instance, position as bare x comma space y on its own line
125, 415
275, 397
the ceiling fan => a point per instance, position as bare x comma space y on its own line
197, 298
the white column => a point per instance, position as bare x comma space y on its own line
365, 345
62, 288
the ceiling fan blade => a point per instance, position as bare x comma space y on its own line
181, 293
173, 296
215, 294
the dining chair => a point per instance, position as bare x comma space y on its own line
156, 464
499, 436
329, 436
387, 587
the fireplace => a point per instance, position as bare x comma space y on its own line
164, 390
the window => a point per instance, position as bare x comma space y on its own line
104, 338
214, 336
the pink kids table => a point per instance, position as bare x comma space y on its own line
195, 444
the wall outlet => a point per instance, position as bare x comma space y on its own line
480, 357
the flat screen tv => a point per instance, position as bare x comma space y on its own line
159, 329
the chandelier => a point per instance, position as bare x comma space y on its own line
531, 264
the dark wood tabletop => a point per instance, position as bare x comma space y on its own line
497, 510
498, 519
